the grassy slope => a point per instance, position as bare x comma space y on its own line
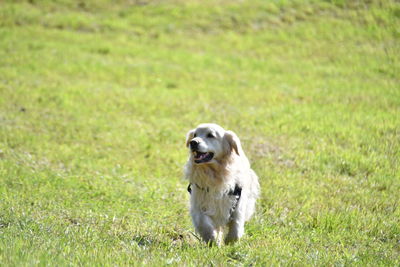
95, 100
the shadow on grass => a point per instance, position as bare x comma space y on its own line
169, 239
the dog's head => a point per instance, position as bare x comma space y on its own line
210, 143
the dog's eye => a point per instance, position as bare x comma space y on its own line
194, 135
210, 135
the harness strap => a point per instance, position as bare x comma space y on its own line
237, 192
189, 188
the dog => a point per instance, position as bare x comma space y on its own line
223, 188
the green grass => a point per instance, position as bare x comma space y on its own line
96, 98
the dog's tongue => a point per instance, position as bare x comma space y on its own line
202, 156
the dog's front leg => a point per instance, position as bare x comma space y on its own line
205, 227
236, 227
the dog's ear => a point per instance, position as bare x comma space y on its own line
189, 137
233, 142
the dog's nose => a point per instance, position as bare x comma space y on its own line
194, 144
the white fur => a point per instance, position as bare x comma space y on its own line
211, 181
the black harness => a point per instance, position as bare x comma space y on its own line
236, 192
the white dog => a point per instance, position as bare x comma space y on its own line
223, 188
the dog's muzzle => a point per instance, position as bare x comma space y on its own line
200, 157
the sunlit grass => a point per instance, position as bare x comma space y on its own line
96, 98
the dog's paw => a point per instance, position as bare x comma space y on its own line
231, 239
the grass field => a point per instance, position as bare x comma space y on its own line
96, 98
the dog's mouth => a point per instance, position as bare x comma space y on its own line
202, 157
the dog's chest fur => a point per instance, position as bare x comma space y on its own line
216, 204
210, 193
